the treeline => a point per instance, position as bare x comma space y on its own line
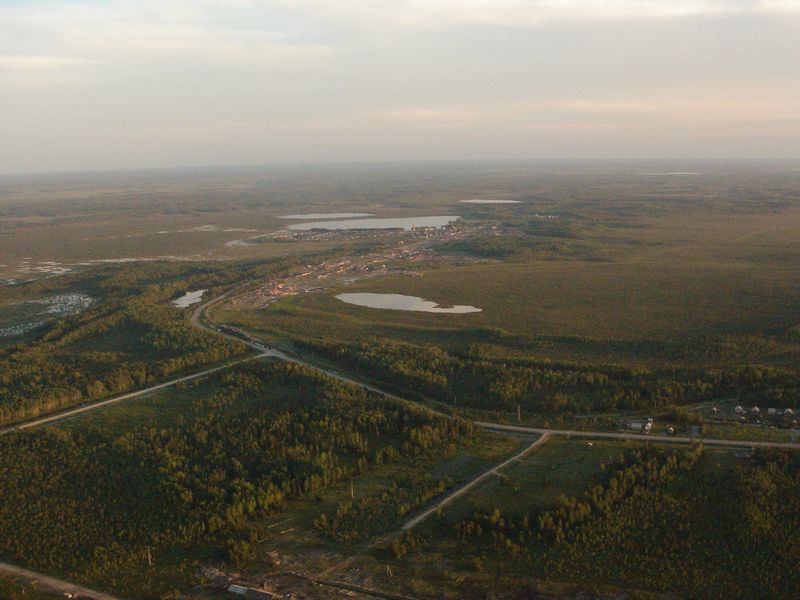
716, 533
500, 384
500, 246
550, 236
360, 519
99, 507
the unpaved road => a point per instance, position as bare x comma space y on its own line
467, 486
51, 584
52, 418
674, 439
386, 538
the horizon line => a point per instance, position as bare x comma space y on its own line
386, 162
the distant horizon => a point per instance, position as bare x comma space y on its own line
686, 162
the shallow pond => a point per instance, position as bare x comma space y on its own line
396, 223
189, 298
402, 302
22, 317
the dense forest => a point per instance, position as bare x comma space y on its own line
516, 239
482, 381
674, 521
99, 507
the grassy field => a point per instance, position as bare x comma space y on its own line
731, 276
106, 216
163, 408
671, 306
560, 466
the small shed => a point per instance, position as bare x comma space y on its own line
239, 590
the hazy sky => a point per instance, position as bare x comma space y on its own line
88, 84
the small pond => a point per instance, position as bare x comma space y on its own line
189, 298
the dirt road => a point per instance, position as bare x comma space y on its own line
674, 439
51, 584
467, 486
52, 418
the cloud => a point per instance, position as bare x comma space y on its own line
103, 32
104, 83
44, 63
779, 6
430, 114
518, 13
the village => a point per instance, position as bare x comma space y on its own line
697, 420
415, 246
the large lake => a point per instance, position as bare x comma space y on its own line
344, 215
401, 302
398, 223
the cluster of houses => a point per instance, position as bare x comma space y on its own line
758, 415
307, 279
644, 427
